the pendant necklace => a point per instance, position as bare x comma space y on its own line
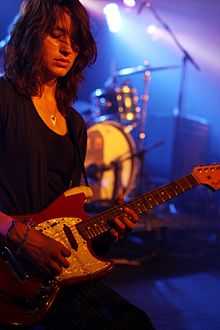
53, 118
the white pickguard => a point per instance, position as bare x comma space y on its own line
82, 262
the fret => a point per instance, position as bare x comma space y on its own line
141, 208
91, 232
188, 184
177, 189
96, 229
144, 206
156, 197
185, 184
91, 229
168, 193
149, 200
98, 225
181, 185
102, 226
88, 235
135, 202
169, 188
171, 192
191, 180
164, 195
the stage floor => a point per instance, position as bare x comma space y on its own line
170, 268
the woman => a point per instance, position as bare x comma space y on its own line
50, 45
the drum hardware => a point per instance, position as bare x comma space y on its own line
120, 102
127, 100
107, 142
115, 160
143, 117
141, 69
140, 112
140, 156
186, 59
95, 172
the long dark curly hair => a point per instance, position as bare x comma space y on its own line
23, 53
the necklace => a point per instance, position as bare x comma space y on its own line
53, 119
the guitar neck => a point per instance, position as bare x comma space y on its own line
98, 225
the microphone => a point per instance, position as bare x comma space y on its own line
142, 5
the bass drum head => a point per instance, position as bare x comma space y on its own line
111, 169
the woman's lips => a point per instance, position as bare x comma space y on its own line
62, 63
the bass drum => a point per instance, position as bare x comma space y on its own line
110, 165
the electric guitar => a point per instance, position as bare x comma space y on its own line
26, 296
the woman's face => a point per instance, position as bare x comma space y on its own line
59, 52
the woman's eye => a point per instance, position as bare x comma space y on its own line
56, 34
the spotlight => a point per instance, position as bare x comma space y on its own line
154, 31
113, 17
129, 3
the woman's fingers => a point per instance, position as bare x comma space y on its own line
115, 234
55, 268
124, 223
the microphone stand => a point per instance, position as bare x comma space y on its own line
186, 58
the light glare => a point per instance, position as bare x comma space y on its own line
113, 17
129, 3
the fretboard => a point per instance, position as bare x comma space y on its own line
100, 224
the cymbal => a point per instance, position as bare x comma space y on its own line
142, 68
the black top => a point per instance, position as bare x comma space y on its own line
36, 164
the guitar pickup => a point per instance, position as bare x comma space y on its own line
70, 237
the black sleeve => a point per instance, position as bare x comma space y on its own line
4, 99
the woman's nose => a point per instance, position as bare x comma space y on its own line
65, 51
66, 48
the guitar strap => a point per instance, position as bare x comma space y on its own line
73, 137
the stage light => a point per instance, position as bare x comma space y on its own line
154, 31
113, 17
95, 6
129, 3
4, 42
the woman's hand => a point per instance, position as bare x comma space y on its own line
124, 223
46, 253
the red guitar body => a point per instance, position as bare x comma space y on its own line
25, 300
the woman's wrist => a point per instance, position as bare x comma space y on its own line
6, 225
16, 233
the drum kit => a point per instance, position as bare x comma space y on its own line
116, 120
